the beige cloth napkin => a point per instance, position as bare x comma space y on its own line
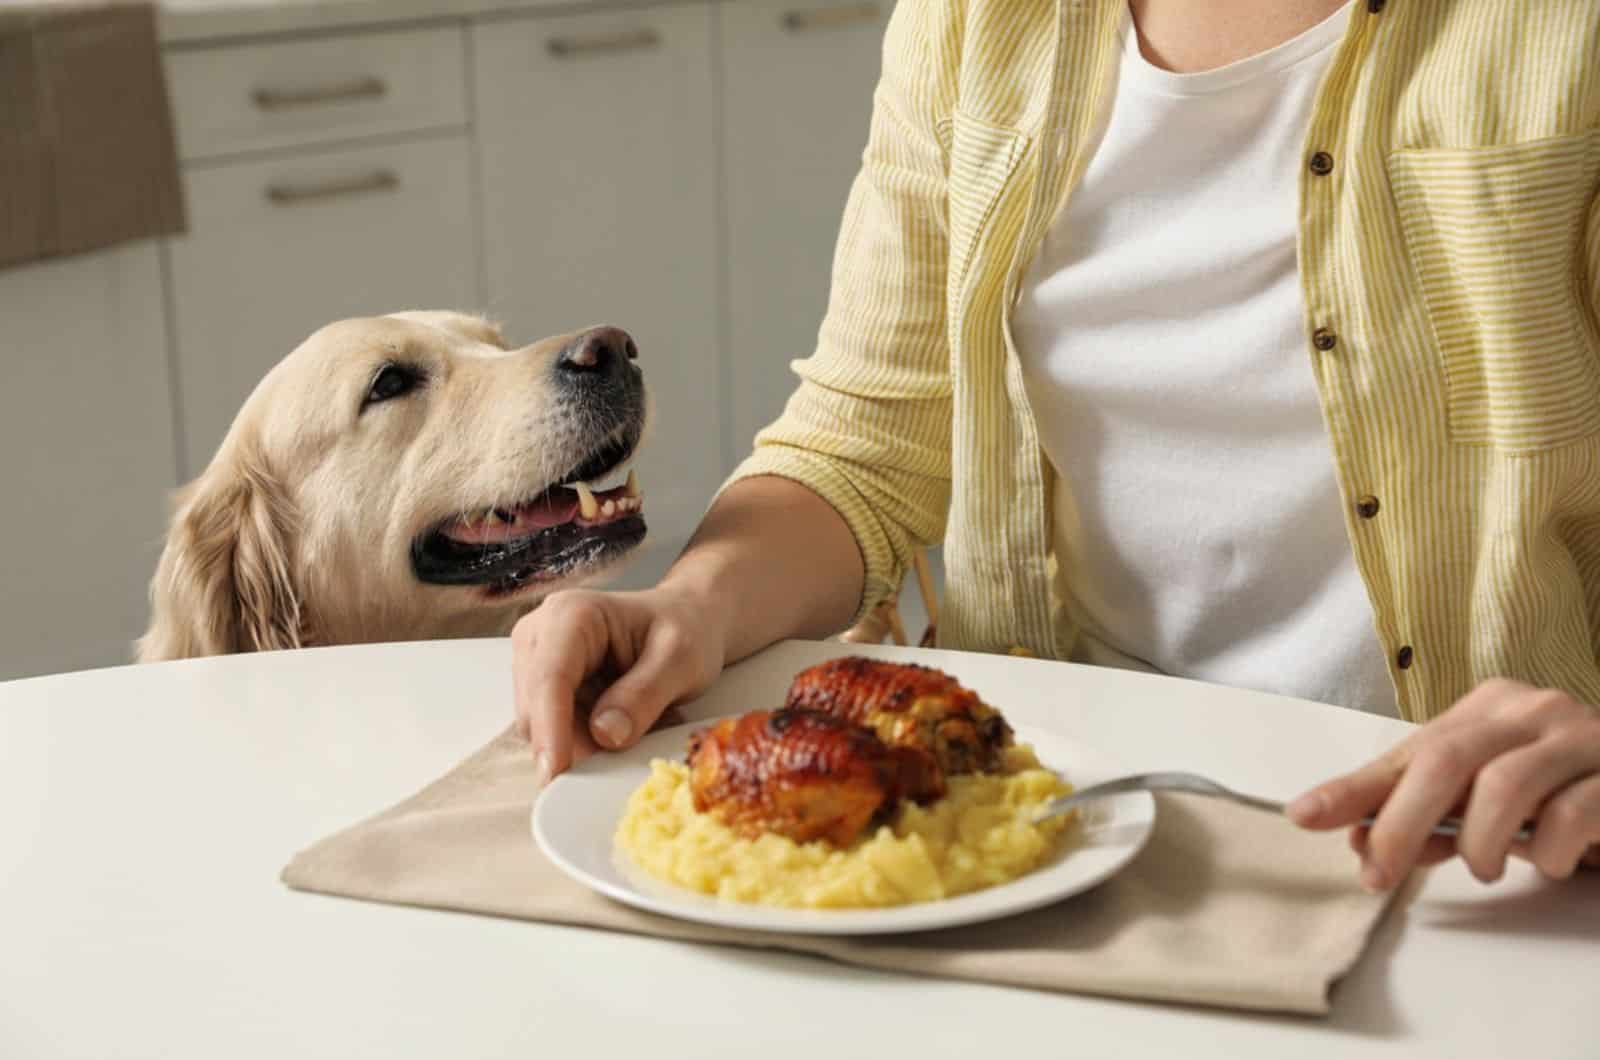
88, 157
1225, 906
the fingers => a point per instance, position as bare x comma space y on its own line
1441, 769
596, 670
1499, 753
1507, 794
553, 651
666, 671
1346, 799
1438, 847
1567, 827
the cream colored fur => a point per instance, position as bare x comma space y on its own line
299, 530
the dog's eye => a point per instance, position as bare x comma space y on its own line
392, 381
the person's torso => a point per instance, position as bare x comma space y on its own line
1198, 530
1448, 243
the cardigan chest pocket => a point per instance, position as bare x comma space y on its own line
1497, 236
982, 158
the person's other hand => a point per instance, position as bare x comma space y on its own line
656, 647
1505, 755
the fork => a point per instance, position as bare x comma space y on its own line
1194, 784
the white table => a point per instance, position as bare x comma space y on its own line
145, 813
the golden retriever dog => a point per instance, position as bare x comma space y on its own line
405, 477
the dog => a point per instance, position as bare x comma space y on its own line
405, 477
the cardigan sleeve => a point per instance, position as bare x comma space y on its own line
869, 427
1594, 245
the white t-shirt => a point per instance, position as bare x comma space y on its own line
1163, 335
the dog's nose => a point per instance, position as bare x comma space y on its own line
599, 350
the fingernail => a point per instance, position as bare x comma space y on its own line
1374, 879
541, 769
614, 727
1308, 807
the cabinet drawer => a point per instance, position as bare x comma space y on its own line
277, 248
253, 96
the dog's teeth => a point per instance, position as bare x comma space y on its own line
631, 487
588, 507
609, 508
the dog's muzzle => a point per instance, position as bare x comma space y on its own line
584, 519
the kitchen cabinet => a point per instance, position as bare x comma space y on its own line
797, 100
597, 154
280, 246
86, 426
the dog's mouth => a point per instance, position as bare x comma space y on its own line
590, 517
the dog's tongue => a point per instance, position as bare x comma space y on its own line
529, 519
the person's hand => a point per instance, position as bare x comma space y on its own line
657, 647
1505, 755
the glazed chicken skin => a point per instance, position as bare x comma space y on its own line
803, 774
908, 706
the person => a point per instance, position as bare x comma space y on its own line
1250, 340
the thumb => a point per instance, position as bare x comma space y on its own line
663, 673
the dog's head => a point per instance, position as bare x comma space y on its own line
402, 477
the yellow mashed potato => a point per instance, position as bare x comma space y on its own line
978, 835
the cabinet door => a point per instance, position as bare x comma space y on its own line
797, 102
279, 247
598, 168
86, 429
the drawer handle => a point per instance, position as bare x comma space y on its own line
293, 194
628, 40
286, 98
829, 17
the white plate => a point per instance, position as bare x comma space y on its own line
575, 818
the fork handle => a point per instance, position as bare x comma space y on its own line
1451, 826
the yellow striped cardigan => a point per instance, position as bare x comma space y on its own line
1449, 250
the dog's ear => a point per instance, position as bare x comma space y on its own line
225, 582
467, 325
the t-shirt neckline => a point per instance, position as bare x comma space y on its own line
1138, 70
